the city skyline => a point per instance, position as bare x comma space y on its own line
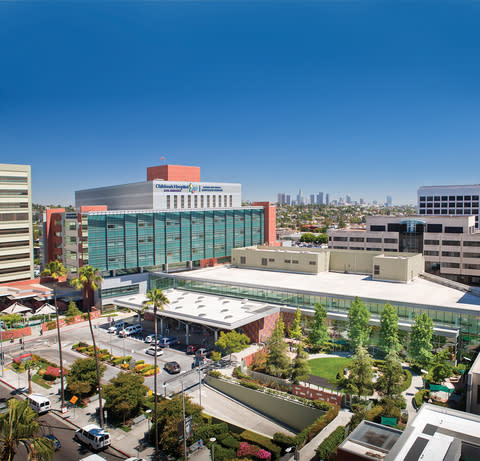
332, 96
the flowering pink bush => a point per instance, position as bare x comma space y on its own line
245, 449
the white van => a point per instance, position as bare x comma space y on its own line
39, 403
93, 436
117, 327
131, 330
93, 458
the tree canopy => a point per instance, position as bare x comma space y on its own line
360, 380
389, 341
420, 347
318, 334
392, 376
300, 367
233, 341
278, 361
296, 328
358, 328
84, 371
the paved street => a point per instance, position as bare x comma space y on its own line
71, 450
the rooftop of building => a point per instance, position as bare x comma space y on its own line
211, 310
371, 440
419, 291
433, 434
449, 186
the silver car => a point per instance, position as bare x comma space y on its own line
151, 351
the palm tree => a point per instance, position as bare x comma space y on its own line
90, 279
158, 300
20, 426
55, 270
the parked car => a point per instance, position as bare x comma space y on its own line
56, 443
167, 342
202, 352
151, 338
192, 348
172, 367
39, 403
151, 351
130, 330
118, 326
93, 436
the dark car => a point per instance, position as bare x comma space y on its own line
172, 367
192, 348
56, 443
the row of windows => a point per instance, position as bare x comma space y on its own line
199, 201
14, 179
13, 216
17, 230
438, 198
14, 257
21, 243
450, 211
451, 254
14, 270
12, 192
455, 243
450, 205
13, 205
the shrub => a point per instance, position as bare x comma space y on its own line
262, 441
331, 443
321, 405
215, 373
228, 441
374, 413
407, 381
420, 397
251, 385
140, 362
237, 373
222, 453
49, 377
283, 440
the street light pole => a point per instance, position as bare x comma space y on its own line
200, 385
213, 440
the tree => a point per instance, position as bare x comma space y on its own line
233, 341
392, 377
72, 309
169, 414
89, 279
29, 366
296, 329
156, 299
358, 329
420, 347
79, 388
84, 371
278, 362
318, 334
389, 341
361, 373
20, 426
56, 270
125, 395
300, 366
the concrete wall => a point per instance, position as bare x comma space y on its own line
391, 268
288, 413
352, 261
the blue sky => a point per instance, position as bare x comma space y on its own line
367, 98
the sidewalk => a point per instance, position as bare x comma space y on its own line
417, 384
307, 453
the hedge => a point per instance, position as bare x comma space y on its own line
283, 440
311, 431
419, 397
263, 442
331, 443
407, 382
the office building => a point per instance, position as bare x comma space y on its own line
300, 197
288, 199
160, 224
279, 199
388, 202
312, 199
438, 433
348, 199
320, 198
449, 200
16, 242
327, 199
450, 244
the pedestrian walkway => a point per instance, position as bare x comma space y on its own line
409, 394
307, 453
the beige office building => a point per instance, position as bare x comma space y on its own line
449, 244
16, 243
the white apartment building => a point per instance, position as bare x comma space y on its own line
450, 244
449, 200
16, 245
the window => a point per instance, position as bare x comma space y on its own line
471, 244
422, 205
243, 260
340, 239
312, 263
474, 197
471, 266
451, 198
430, 253
357, 239
225, 201
459, 197
436, 199
14, 205
264, 262
12, 257
219, 201
294, 261
467, 197
287, 261
14, 179
393, 227
208, 201
201, 202
434, 228
195, 201
213, 201
175, 201
271, 260
20, 230
13, 216
429, 199
390, 241
189, 201
231, 201
453, 229
452, 243
374, 249
471, 255
376, 270
478, 394
451, 254
422, 198
374, 240
377, 228
450, 265
182, 201
168, 201
444, 197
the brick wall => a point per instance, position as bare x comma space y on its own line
18, 333
76, 319
314, 394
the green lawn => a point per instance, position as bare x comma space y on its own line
329, 367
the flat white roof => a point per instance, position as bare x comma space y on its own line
419, 291
210, 310
438, 427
